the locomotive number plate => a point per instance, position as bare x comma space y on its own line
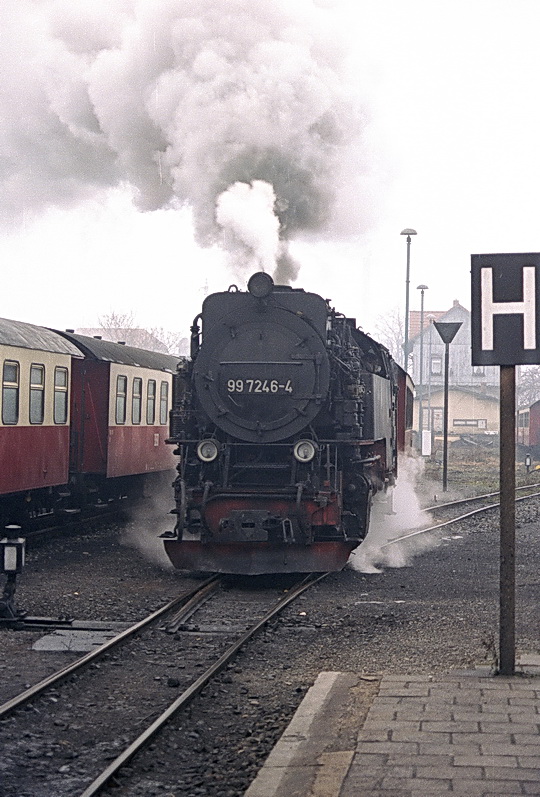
258, 386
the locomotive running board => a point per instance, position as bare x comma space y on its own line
254, 559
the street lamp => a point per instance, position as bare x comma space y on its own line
408, 232
421, 288
431, 319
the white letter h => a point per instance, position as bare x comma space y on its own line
526, 308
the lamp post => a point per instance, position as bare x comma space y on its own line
408, 232
431, 319
422, 289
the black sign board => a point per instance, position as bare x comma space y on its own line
505, 309
447, 331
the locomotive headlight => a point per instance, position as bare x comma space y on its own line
207, 450
260, 285
304, 450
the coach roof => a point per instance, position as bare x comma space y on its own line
29, 336
105, 350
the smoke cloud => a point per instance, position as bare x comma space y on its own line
181, 101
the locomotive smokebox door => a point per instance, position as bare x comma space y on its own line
262, 372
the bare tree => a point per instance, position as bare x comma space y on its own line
528, 385
122, 327
389, 331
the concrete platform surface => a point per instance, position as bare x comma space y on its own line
466, 733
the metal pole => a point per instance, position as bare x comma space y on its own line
430, 424
407, 283
421, 380
507, 475
445, 419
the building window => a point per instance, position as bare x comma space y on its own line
37, 393
437, 419
436, 364
478, 370
151, 402
136, 400
523, 419
163, 403
121, 395
60, 395
10, 393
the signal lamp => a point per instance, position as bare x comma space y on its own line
207, 450
304, 450
260, 285
13, 550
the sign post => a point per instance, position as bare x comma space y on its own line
447, 331
505, 318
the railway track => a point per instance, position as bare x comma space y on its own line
450, 506
105, 680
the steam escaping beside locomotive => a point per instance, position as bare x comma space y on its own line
288, 421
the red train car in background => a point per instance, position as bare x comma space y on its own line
405, 408
82, 420
528, 429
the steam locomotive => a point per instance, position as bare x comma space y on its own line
287, 421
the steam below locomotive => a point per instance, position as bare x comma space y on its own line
287, 422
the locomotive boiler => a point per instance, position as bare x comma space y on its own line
286, 423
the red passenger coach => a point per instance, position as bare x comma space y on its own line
35, 421
120, 411
405, 404
82, 421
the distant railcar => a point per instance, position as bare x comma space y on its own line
528, 429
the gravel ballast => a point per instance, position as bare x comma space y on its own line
438, 612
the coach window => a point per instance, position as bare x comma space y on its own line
60, 395
136, 400
10, 392
163, 403
37, 393
121, 395
151, 402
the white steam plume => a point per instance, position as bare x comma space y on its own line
179, 100
373, 554
250, 226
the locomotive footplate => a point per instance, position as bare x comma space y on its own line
257, 558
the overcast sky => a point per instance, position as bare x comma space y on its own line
122, 119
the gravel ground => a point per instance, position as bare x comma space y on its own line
437, 612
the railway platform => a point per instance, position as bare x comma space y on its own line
465, 733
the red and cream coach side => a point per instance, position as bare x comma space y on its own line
120, 411
36, 368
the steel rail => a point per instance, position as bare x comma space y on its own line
452, 520
475, 498
101, 781
189, 595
